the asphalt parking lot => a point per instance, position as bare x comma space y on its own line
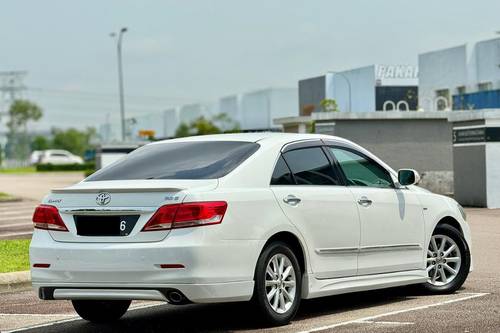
15, 217
475, 308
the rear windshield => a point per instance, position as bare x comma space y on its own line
179, 160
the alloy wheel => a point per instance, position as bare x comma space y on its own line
443, 260
280, 283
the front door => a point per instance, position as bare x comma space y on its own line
392, 225
310, 194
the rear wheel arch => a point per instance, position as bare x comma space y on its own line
295, 245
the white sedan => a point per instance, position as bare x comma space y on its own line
264, 217
57, 157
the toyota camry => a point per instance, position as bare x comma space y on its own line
269, 218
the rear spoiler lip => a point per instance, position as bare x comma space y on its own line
117, 190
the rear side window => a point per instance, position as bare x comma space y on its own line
282, 174
179, 160
310, 166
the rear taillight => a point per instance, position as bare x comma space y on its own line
187, 215
47, 217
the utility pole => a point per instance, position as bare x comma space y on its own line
119, 38
11, 86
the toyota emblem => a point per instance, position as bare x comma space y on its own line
103, 198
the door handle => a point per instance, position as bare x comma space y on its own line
292, 200
364, 201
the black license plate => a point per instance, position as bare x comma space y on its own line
103, 225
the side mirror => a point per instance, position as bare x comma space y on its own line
408, 177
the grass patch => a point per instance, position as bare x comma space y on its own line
7, 197
14, 255
29, 169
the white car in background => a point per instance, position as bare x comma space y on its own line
58, 157
264, 217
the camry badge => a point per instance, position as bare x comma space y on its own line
103, 198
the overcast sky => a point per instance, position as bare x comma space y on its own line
180, 51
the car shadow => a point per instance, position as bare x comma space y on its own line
231, 316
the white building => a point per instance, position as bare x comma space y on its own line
461, 77
365, 89
255, 110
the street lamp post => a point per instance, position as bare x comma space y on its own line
348, 85
120, 78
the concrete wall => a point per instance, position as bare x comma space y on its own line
424, 145
470, 175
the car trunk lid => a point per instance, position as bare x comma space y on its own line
116, 211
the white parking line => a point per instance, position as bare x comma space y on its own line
371, 318
385, 322
69, 319
25, 217
16, 234
26, 223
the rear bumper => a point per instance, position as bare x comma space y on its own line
214, 271
197, 293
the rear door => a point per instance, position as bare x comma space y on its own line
309, 190
392, 225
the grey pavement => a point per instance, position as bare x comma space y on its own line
15, 217
34, 186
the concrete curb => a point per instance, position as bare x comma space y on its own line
15, 281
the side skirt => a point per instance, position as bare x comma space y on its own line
313, 288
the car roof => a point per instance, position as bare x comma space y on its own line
268, 137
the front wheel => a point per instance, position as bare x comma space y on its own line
448, 260
278, 282
100, 311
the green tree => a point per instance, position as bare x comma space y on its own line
199, 126
328, 105
40, 142
73, 140
220, 123
225, 123
182, 131
21, 112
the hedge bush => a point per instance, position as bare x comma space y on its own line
65, 167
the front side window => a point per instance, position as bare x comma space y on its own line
361, 171
310, 166
179, 160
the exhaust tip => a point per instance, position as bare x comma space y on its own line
176, 297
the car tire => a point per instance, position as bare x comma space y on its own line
286, 284
435, 258
100, 311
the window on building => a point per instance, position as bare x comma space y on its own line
443, 99
485, 86
461, 90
